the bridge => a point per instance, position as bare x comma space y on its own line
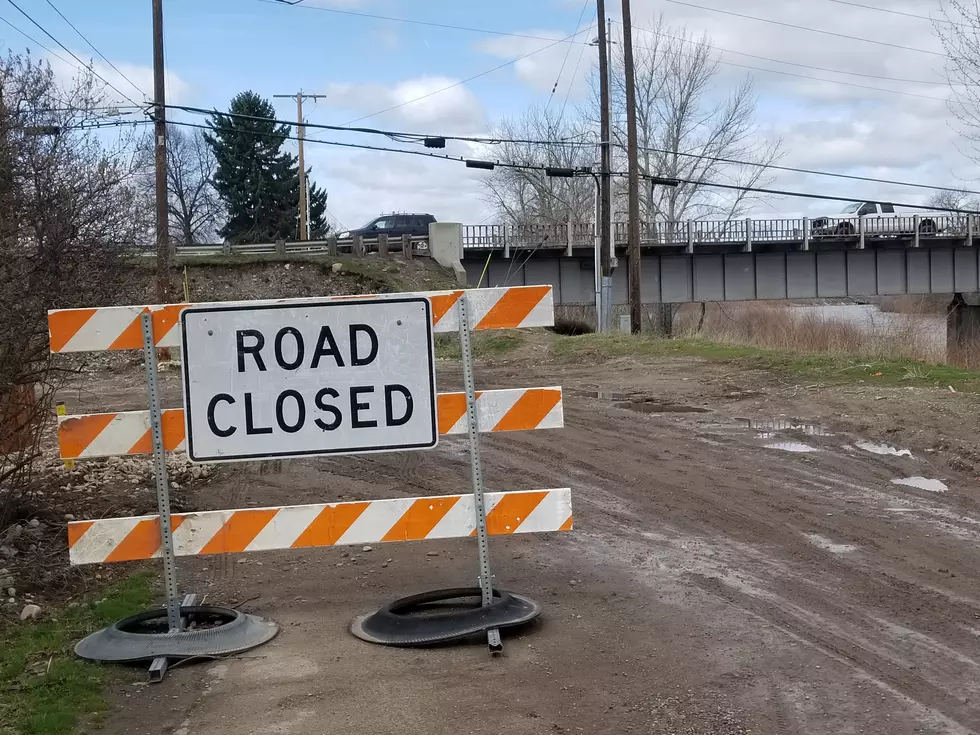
738, 260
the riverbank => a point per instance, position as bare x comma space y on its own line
847, 329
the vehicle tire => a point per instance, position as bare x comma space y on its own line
927, 227
844, 228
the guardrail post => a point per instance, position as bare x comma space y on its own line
359, 245
806, 233
748, 234
568, 236
861, 232
969, 230
226, 248
280, 247
332, 245
915, 230
383, 245
407, 247
690, 236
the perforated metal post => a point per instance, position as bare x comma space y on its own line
486, 580
160, 475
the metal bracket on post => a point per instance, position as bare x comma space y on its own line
806, 233
862, 229
486, 580
915, 230
748, 234
969, 230
174, 622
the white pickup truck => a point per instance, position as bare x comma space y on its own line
879, 219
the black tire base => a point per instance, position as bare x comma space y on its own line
394, 625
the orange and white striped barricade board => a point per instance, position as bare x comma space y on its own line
262, 342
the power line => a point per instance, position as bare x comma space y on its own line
788, 63
413, 137
468, 79
374, 16
568, 51
812, 172
893, 12
69, 51
806, 28
96, 50
578, 63
38, 43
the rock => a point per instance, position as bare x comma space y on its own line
337, 267
572, 582
6, 581
384, 564
34, 523
432, 553
69, 517
30, 612
8, 551
367, 549
11, 592
287, 266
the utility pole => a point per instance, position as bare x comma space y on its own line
160, 157
304, 232
604, 222
635, 299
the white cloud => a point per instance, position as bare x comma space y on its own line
422, 104
178, 90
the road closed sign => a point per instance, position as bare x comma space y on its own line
290, 380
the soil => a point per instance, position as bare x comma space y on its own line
738, 565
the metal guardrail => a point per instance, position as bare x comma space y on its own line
745, 232
417, 245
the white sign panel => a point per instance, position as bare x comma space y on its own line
291, 380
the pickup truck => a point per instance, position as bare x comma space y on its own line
879, 219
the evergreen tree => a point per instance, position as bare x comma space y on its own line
319, 227
256, 179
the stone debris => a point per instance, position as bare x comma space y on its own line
30, 612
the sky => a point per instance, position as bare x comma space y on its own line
887, 118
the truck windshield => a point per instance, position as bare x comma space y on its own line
852, 208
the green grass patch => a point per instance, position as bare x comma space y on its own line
483, 344
45, 689
824, 367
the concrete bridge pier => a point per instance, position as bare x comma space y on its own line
963, 328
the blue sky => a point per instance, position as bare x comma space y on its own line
216, 48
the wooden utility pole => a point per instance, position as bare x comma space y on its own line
635, 299
160, 157
605, 180
304, 230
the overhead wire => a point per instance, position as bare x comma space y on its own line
892, 12
447, 26
469, 79
581, 53
805, 28
415, 137
568, 51
70, 52
938, 83
95, 48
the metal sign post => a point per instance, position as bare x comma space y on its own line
486, 579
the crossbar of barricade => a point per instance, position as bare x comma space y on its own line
159, 430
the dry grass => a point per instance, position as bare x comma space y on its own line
904, 336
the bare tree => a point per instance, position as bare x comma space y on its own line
959, 32
196, 212
68, 206
954, 200
524, 196
686, 124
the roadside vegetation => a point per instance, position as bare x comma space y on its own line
825, 367
46, 689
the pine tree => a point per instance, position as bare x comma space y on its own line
256, 179
319, 227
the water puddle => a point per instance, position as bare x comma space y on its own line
770, 426
922, 483
822, 542
653, 407
603, 394
797, 447
882, 449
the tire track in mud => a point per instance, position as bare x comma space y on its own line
895, 676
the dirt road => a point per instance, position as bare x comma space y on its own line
726, 575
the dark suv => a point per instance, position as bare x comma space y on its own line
395, 225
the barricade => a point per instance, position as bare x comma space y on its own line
389, 352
